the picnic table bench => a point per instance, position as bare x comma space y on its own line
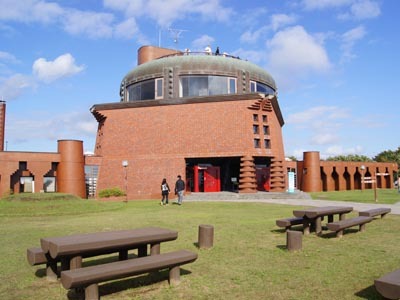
71, 249
89, 277
389, 285
339, 226
382, 211
287, 223
314, 216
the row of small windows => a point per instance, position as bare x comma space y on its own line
265, 131
265, 128
192, 86
264, 118
267, 143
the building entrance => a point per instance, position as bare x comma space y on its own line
263, 178
206, 178
212, 174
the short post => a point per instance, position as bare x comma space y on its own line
174, 275
206, 236
293, 240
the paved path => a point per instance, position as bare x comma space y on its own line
303, 200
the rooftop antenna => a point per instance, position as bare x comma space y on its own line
176, 33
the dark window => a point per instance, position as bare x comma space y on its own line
265, 129
265, 119
261, 88
256, 143
256, 129
267, 144
255, 118
144, 90
202, 85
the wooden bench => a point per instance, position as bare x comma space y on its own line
289, 222
382, 211
89, 277
339, 226
36, 256
389, 285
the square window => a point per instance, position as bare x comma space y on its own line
267, 144
256, 129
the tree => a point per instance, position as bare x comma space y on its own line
389, 156
350, 157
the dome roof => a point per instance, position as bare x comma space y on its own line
200, 65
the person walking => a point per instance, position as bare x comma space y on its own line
179, 189
164, 192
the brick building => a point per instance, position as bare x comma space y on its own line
214, 119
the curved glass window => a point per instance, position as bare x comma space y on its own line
146, 90
198, 85
261, 88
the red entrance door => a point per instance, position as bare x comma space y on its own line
206, 179
263, 179
212, 181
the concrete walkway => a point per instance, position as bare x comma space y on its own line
299, 199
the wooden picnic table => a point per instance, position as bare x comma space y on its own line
72, 248
316, 214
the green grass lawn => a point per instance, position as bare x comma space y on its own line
384, 196
248, 260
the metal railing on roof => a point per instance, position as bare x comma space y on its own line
199, 53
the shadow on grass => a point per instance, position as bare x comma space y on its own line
103, 260
128, 283
332, 234
282, 247
369, 293
282, 230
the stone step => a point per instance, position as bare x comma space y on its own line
236, 196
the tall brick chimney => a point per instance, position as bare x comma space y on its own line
2, 123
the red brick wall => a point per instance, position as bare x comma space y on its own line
156, 140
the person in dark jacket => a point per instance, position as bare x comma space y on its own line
179, 189
164, 192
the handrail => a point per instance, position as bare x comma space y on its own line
198, 53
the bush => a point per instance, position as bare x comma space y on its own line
111, 192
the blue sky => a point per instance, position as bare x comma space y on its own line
336, 64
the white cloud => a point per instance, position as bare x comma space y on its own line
94, 25
74, 125
324, 138
322, 124
165, 15
29, 11
253, 36
362, 9
336, 150
310, 116
277, 21
324, 4
200, 43
62, 66
8, 58
293, 54
126, 29
12, 87
281, 20
349, 39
